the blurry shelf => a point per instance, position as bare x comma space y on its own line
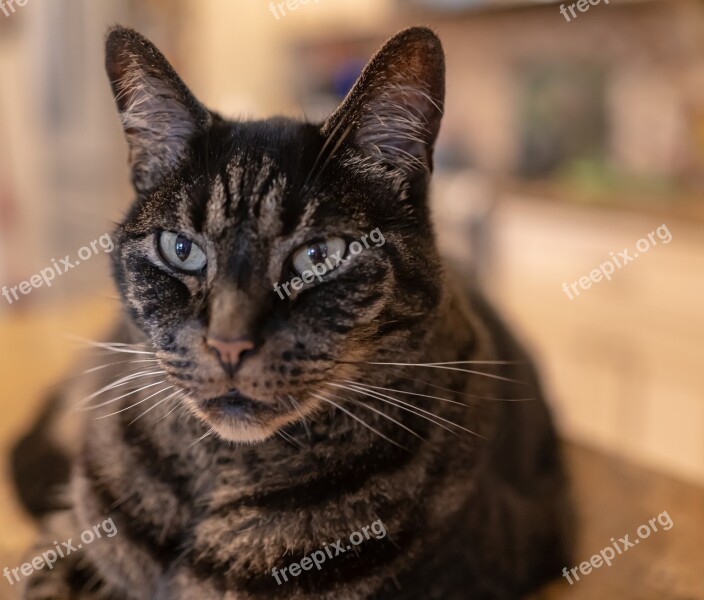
687, 205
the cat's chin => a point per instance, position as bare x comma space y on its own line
242, 432
238, 418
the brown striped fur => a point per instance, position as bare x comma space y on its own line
459, 461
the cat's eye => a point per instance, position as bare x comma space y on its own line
328, 254
181, 253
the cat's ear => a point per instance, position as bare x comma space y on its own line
159, 114
393, 112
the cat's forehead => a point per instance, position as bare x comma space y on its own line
264, 191
246, 192
242, 183
242, 190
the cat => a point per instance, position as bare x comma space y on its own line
232, 431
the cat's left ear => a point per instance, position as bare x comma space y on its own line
393, 112
159, 114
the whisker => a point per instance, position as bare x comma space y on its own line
120, 362
408, 393
335, 148
289, 439
117, 412
368, 385
151, 408
174, 409
113, 346
441, 366
130, 393
202, 437
68, 380
453, 362
330, 137
112, 351
467, 394
408, 408
380, 396
389, 417
356, 418
304, 420
120, 382
479, 362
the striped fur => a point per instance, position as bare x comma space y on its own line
458, 461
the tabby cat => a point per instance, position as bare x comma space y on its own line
232, 431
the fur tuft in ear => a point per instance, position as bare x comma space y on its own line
393, 112
158, 112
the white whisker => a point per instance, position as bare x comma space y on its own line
120, 362
400, 403
289, 438
384, 415
409, 393
202, 437
151, 408
113, 346
478, 362
130, 393
467, 394
120, 382
297, 407
356, 418
175, 408
117, 412
442, 366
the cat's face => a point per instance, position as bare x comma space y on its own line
264, 260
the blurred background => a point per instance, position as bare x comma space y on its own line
563, 142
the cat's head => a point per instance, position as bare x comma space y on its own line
221, 261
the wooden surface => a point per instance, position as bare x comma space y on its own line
613, 499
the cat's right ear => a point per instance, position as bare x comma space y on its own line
159, 114
393, 112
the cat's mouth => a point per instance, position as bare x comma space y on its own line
239, 418
233, 404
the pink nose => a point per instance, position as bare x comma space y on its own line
229, 352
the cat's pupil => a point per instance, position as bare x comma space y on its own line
317, 253
183, 247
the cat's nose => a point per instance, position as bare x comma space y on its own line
229, 352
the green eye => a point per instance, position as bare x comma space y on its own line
307, 257
180, 252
